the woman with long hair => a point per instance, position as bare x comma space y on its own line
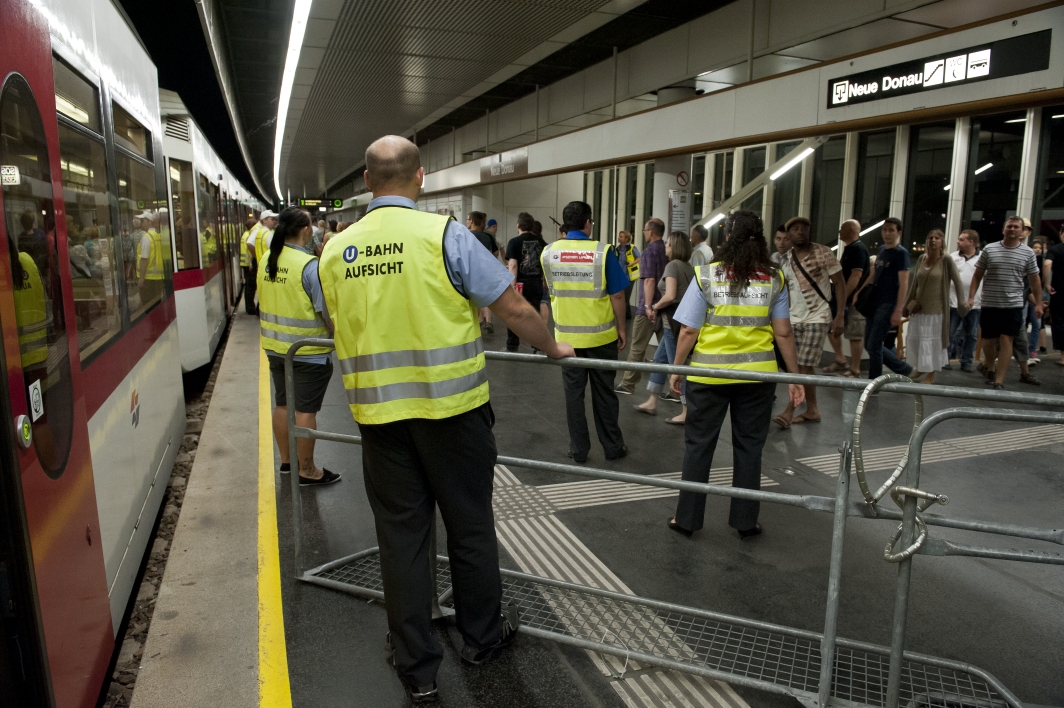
730, 321
927, 333
292, 307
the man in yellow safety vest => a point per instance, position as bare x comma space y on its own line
151, 274
257, 240
403, 288
250, 276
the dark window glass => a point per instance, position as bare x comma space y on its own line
648, 201
183, 192
1049, 196
130, 134
34, 273
829, 166
787, 188
875, 168
75, 97
208, 227
698, 182
630, 197
753, 165
927, 181
145, 249
994, 158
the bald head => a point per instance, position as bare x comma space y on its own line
849, 231
393, 167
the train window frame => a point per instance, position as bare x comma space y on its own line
130, 316
90, 83
122, 142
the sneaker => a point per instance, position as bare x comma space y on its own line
327, 477
669, 396
991, 375
619, 455
1032, 361
967, 368
621, 388
286, 467
511, 621
1029, 379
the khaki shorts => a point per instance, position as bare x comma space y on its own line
855, 324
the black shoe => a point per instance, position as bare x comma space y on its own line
511, 620
422, 694
576, 458
679, 529
327, 477
749, 533
513, 350
947, 367
619, 455
286, 467
489, 328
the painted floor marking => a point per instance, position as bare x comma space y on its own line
574, 495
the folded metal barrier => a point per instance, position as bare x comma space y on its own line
770, 657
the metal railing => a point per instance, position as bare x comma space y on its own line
355, 573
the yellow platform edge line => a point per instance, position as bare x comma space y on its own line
274, 688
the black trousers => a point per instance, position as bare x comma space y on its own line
1056, 312
410, 467
751, 415
604, 404
250, 285
533, 293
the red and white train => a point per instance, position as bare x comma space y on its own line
92, 408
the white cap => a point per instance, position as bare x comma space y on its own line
266, 214
144, 215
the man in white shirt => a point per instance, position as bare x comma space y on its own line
964, 331
267, 223
702, 253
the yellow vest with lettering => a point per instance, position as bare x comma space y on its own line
408, 342
155, 256
575, 271
261, 247
31, 314
286, 313
737, 333
630, 264
245, 259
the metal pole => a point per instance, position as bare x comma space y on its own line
293, 457
536, 139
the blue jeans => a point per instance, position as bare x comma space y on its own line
963, 334
665, 354
875, 332
1036, 326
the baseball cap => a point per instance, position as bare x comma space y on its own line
144, 215
266, 214
797, 220
492, 222
1026, 223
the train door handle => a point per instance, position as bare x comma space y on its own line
24, 431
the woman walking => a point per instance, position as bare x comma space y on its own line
730, 320
927, 307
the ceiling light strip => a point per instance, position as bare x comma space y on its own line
295, 44
873, 227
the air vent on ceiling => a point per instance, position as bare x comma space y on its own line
177, 128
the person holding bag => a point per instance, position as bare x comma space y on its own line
927, 307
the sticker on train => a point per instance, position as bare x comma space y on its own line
36, 400
10, 176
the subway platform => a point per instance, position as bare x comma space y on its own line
233, 627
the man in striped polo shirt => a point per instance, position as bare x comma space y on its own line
1001, 269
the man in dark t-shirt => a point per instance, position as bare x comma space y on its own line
1053, 280
522, 258
855, 268
475, 223
890, 276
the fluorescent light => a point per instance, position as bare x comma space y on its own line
1061, 115
1019, 120
714, 220
791, 163
946, 188
984, 168
70, 110
873, 227
295, 44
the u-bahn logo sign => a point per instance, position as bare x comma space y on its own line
1006, 57
350, 254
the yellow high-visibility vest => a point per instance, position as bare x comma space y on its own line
245, 259
31, 314
155, 256
408, 342
737, 333
286, 313
575, 271
630, 264
260, 242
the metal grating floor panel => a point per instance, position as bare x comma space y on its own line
791, 663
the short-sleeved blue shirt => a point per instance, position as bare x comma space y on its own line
312, 286
889, 263
693, 307
616, 274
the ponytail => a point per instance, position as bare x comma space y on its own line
290, 222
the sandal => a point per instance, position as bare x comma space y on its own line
834, 367
673, 421
679, 529
781, 421
850, 374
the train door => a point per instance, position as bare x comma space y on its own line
54, 611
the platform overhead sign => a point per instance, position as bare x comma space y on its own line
996, 60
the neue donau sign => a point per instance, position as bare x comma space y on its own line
1005, 57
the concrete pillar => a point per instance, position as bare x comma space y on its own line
1029, 165
901, 171
665, 171
958, 182
849, 178
640, 200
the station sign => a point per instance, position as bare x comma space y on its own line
505, 165
996, 60
322, 203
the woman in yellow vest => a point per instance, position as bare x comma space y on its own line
291, 307
730, 321
630, 257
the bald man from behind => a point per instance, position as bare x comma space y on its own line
855, 268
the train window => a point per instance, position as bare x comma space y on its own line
130, 134
208, 221
993, 184
183, 192
94, 258
75, 97
928, 181
875, 168
1049, 196
145, 251
30, 233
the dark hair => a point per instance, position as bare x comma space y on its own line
781, 228
537, 228
745, 250
973, 235
657, 226
478, 218
289, 223
576, 215
249, 224
702, 231
681, 246
525, 221
332, 225
893, 220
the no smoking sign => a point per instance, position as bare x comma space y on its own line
683, 179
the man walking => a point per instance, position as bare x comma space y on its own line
964, 331
475, 223
586, 282
651, 268
855, 267
402, 287
522, 258
1053, 276
1002, 268
890, 278
702, 254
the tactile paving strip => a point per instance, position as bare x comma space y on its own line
731, 647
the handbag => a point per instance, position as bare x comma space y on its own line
867, 301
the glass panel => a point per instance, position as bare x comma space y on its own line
145, 251
698, 182
182, 189
630, 196
130, 134
875, 169
994, 158
1049, 201
75, 97
94, 260
648, 197
207, 226
29, 230
787, 189
829, 166
753, 165
927, 182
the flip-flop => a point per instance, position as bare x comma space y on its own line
803, 419
673, 421
834, 367
644, 411
850, 374
781, 421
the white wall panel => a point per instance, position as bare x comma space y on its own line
777, 105
792, 21
659, 61
566, 98
719, 38
598, 85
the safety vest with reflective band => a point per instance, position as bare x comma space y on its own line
245, 259
408, 342
630, 264
286, 313
155, 256
575, 271
31, 313
260, 242
737, 333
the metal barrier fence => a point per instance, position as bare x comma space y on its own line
770, 657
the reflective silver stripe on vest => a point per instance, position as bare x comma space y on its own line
285, 336
32, 328
416, 389
739, 321
595, 294
748, 358
584, 329
411, 357
317, 323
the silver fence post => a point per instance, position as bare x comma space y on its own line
293, 458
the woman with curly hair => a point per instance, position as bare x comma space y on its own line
730, 321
